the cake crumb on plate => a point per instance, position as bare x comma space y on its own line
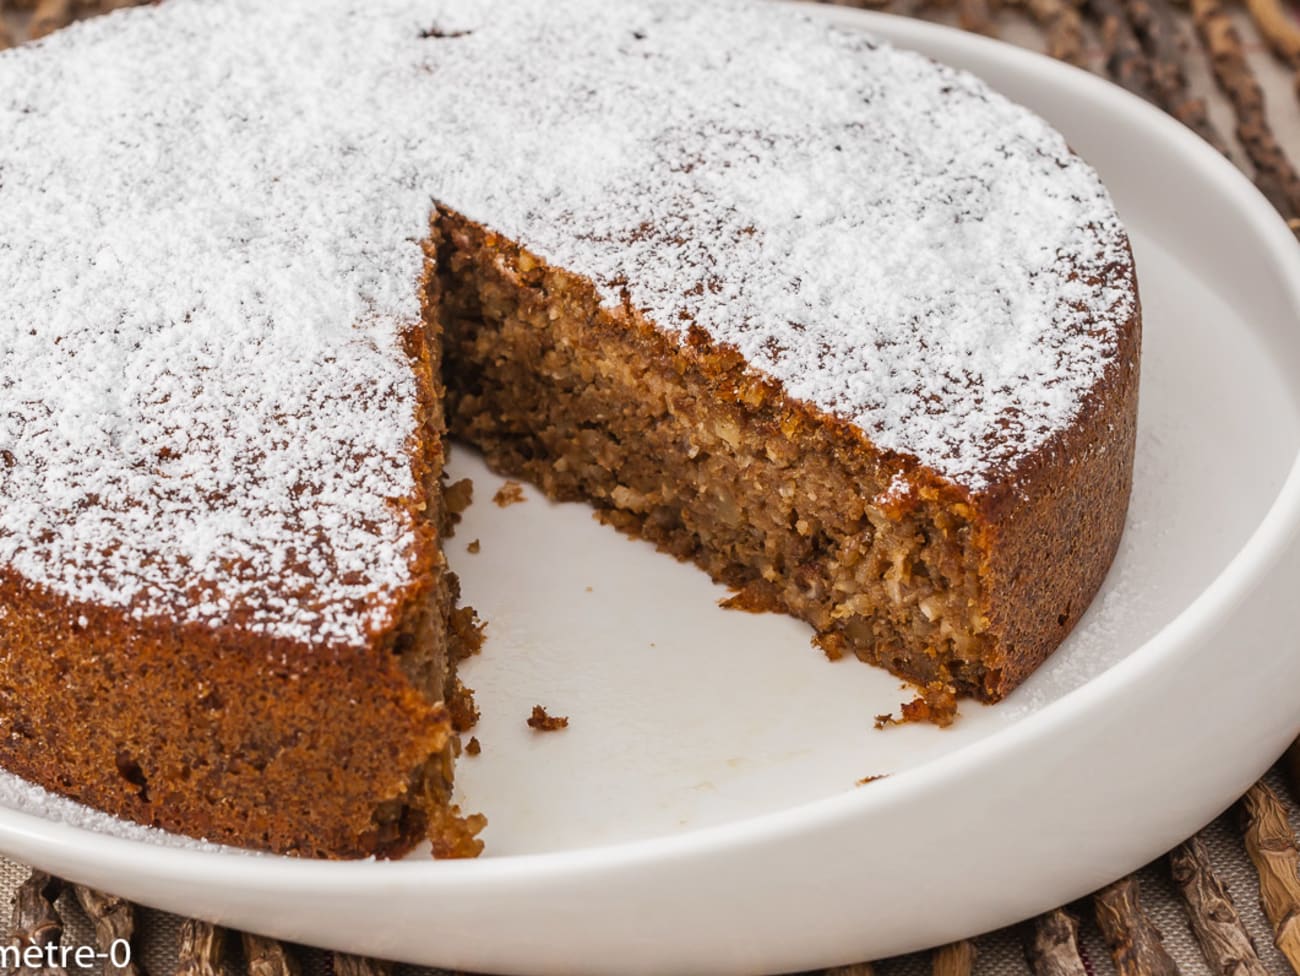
511, 493
543, 721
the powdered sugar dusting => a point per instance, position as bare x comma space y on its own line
210, 246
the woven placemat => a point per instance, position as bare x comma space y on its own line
158, 936
1233, 75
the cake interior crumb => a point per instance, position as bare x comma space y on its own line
474, 547
721, 479
472, 747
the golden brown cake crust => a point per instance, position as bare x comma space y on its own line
248, 741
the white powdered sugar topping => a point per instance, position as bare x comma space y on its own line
210, 224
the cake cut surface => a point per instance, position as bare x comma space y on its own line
235, 236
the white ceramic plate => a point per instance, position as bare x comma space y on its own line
701, 813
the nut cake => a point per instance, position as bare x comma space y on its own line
841, 325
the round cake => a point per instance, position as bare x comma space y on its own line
841, 325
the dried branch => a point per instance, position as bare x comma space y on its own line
1280, 32
1062, 27
1125, 61
36, 921
1291, 765
267, 957
1214, 921
976, 16
954, 959
202, 947
1272, 848
347, 965
1166, 47
1052, 945
114, 920
1132, 938
50, 15
910, 8
1274, 174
